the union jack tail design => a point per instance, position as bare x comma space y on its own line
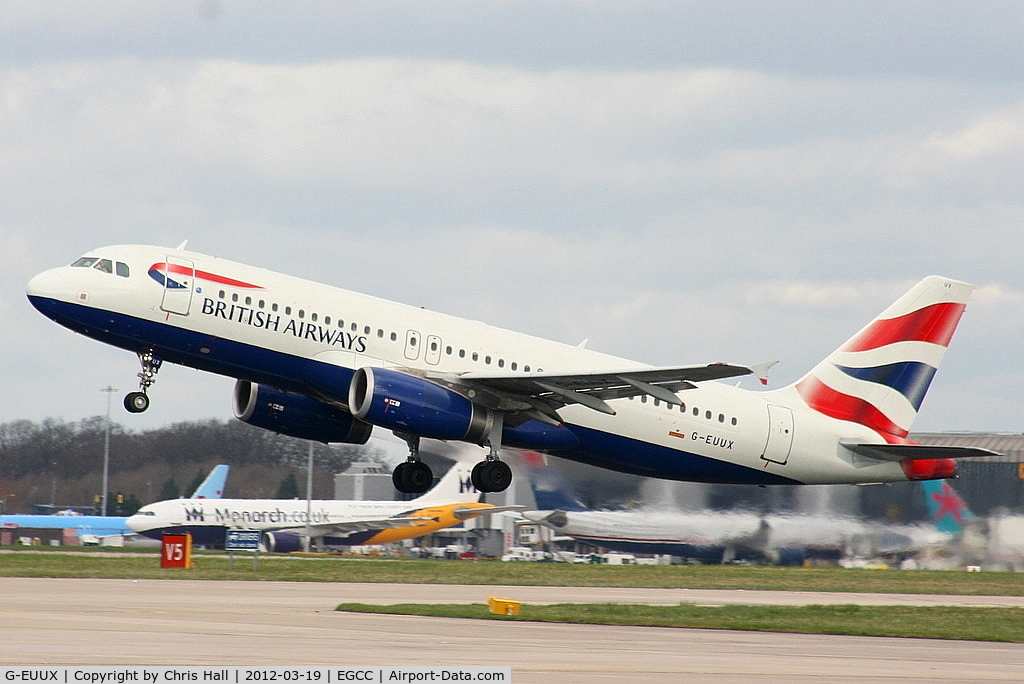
880, 376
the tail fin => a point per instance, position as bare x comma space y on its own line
880, 376
945, 507
550, 491
213, 486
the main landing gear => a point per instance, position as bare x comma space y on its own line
413, 476
490, 475
137, 402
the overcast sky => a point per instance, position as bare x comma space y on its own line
679, 182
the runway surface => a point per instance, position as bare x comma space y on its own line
186, 622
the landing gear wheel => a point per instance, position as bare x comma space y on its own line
419, 476
136, 402
412, 477
491, 476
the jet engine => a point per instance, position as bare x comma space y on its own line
281, 542
406, 403
296, 415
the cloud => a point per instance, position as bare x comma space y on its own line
677, 182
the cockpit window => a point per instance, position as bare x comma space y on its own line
104, 265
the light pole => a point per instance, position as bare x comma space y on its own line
106, 447
309, 500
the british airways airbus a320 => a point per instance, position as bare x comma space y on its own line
326, 364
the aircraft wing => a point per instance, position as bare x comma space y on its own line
465, 512
916, 452
343, 528
347, 527
547, 392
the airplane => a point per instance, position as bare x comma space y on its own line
321, 363
95, 528
331, 522
995, 541
724, 536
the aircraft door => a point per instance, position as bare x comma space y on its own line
780, 434
412, 345
433, 353
179, 275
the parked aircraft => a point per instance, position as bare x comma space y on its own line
723, 536
95, 528
995, 541
321, 363
285, 522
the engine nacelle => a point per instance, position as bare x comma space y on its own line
296, 415
281, 542
406, 403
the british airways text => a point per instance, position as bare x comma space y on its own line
273, 322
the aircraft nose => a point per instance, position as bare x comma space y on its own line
48, 284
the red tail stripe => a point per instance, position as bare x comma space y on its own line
833, 404
934, 324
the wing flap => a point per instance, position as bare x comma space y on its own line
544, 393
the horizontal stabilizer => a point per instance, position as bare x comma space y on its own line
916, 452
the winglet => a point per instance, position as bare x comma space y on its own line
761, 370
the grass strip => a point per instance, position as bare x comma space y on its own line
333, 568
931, 622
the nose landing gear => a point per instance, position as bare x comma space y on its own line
137, 402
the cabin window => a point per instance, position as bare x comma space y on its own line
526, 369
380, 333
394, 337
366, 330
302, 313
234, 296
501, 363
514, 366
287, 311
273, 307
734, 420
261, 304
476, 357
462, 353
313, 317
327, 320
487, 360
721, 417
248, 301
707, 415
